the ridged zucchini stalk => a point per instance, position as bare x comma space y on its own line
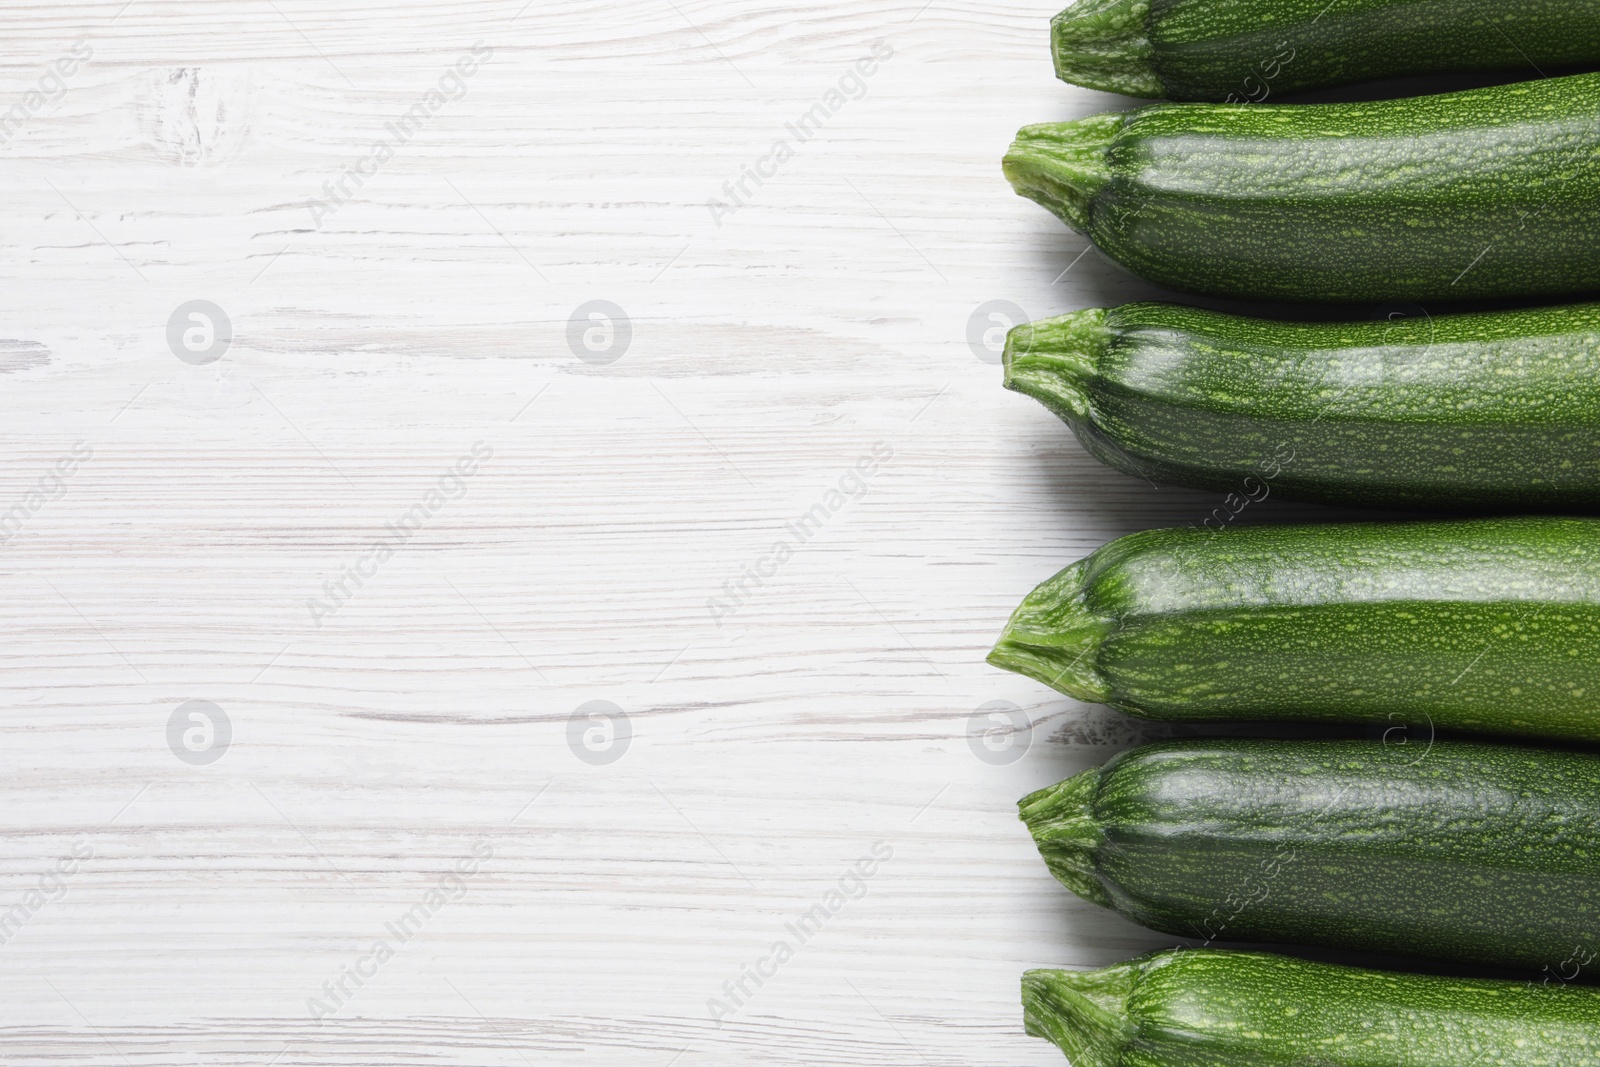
1488, 625
1494, 410
1451, 850
1491, 192
1250, 50
1205, 1008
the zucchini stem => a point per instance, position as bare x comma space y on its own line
1085, 1013
1062, 165
1052, 360
1052, 638
1061, 819
1105, 45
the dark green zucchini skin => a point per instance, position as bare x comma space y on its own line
1487, 626
1495, 411
1251, 50
1487, 193
1451, 850
1210, 1008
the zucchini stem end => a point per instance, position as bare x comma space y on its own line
1061, 820
1052, 638
1084, 1013
1105, 45
1053, 361
1062, 165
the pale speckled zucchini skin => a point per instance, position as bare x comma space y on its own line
1210, 1008
1498, 410
1487, 626
1471, 852
1253, 50
1487, 193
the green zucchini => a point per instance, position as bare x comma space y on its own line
1486, 193
1206, 1008
1494, 410
1249, 50
1458, 851
1485, 625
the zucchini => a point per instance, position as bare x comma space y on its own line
1208, 1008
1458, 851
1494, 410
1486, 625
1250, 50
1487, 193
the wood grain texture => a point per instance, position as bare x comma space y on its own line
373, 347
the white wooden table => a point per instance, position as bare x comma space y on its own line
217, 891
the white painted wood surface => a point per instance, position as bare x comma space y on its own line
372, 347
